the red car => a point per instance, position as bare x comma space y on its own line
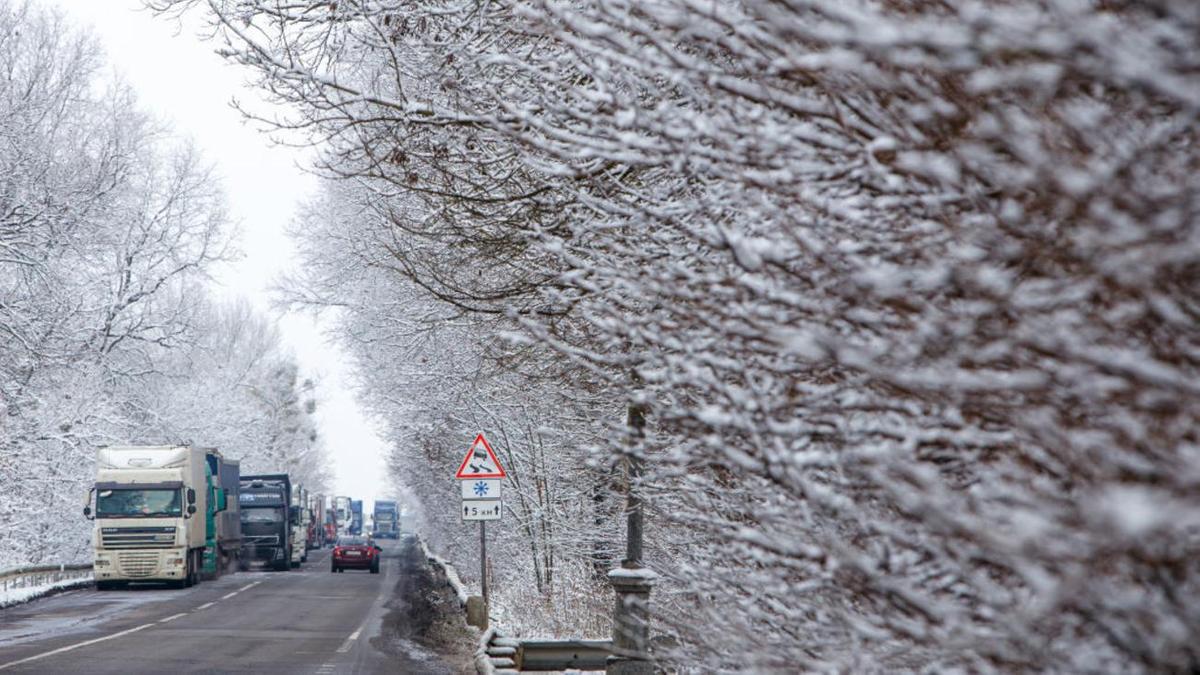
357, 553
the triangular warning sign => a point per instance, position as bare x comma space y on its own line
480, 462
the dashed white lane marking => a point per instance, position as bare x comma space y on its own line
68, 648
349, 641
329, 668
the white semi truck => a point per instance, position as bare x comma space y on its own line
149, 505
300, 522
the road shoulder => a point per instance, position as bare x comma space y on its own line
425, 629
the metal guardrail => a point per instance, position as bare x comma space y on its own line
499, 653
563, 654
42, 576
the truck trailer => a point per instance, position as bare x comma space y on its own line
223, 552
149, 505
387, 519
267, 519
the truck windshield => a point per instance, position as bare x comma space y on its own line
138, 503
261, 515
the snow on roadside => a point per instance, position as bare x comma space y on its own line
451, 574
14, 596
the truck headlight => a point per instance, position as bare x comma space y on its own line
175, 562
101, 563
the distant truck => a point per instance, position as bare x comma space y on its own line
267, 519
299, 519
387, 520
356, 517
149, 504
342, 506
316, 525
223, 548
331, 527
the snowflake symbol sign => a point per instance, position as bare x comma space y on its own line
481, 488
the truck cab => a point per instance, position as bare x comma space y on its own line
386, 519
149, 505
356, 517
299, 518
267, 520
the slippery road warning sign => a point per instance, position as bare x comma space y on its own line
480, 462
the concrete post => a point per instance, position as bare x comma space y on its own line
632, 582
631, 622
477, 613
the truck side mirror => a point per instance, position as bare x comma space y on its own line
191, 509
87, 512
191, 497
87, 507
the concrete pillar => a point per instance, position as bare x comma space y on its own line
631, 621
477, 612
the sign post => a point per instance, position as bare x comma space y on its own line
479, 482
483, 580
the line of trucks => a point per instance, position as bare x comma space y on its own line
180, 514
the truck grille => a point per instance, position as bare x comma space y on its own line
138, 563
263, 540
137, 537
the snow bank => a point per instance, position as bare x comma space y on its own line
14, 595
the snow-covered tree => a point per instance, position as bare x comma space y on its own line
108, 226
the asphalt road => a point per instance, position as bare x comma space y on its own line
306, 620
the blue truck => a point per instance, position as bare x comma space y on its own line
386, 520
356, 517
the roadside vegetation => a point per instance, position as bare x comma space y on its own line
109, 227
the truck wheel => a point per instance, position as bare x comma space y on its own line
189, 572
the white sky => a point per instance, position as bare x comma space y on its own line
181, 80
